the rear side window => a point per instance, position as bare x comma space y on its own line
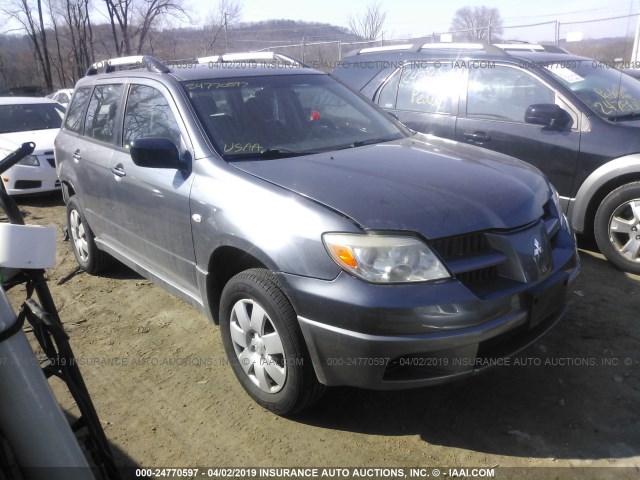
101, 115
428, 88
75, 114
147, 115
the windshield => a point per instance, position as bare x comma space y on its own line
286, 115
31, 116
607, 91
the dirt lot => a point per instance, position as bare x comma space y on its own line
176, 403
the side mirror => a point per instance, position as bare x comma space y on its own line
548, 115
155, 152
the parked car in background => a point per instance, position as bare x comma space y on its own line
333, 245
574, 118
30, 119
63, 96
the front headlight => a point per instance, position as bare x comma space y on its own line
384, 258
30, 160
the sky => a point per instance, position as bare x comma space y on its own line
410, 18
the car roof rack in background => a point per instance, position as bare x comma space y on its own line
251, 57
388, 48
152, 64
494, 49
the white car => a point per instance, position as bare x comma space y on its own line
27, 119
63, 97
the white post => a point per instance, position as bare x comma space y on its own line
636, 43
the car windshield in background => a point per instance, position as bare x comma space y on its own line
32, 116
284, 116
608, 92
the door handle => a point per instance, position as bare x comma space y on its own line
118, 170
477, 138
76, 156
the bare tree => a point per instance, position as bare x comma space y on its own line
477, 24
369, 24
22, 11
58, 63
224, 14
73, 36
79, 25
133, 20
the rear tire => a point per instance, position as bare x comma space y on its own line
617, 227
264, 344
91, 259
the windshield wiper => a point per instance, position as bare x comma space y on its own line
362, 143
368, 141
624, 116
268, 154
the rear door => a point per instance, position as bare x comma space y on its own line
493, 117
90, 146
152, 204
424, 96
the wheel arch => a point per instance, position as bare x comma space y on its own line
67, 190
225, 262
597, 186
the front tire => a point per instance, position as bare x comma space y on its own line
617, 227
89, 257
264, 344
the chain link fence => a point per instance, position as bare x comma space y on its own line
608, 40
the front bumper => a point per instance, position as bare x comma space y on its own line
25, 179
404, 336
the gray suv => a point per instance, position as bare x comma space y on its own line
331, 244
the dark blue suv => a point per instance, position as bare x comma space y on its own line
572, 117
331, 244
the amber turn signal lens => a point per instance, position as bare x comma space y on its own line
345, 255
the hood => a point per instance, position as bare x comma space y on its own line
431, 186
42, 138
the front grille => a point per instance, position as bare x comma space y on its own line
52, 161
475, 277
470, 257
462, 245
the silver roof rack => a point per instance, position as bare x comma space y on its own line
405, 46
495, 48
520, 47
452, 46
152, 64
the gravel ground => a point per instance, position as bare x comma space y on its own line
158, 377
